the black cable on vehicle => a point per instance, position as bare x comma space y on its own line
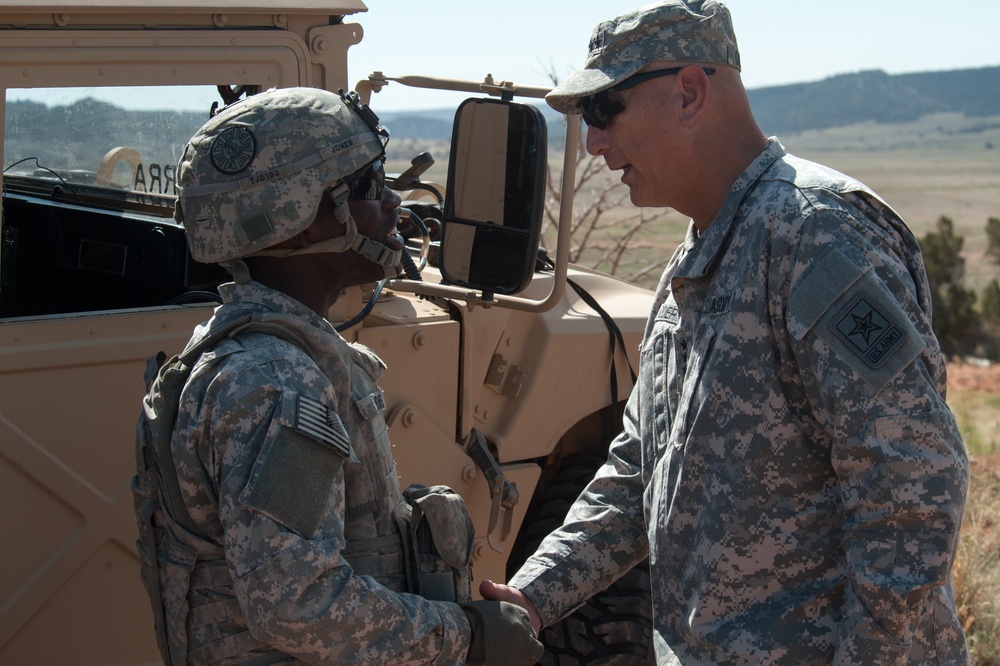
614, 332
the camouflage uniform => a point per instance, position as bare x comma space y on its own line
284, 461
788, 462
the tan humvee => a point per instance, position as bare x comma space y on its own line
95, 278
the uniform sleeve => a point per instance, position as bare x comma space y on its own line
281, 498
874, 378
601, 539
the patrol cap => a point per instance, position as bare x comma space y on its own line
675, 31
254, 175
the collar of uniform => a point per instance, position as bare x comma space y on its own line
256, 293
706, 247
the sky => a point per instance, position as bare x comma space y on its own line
781, 41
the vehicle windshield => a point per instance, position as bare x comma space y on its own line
122, 143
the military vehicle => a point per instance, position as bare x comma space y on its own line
505, 390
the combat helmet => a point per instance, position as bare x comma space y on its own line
254, 175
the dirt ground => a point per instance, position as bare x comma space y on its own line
974, 376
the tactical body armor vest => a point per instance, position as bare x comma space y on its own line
197, 617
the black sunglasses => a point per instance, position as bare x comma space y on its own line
598, 109
368, 184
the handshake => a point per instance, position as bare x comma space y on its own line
504, 627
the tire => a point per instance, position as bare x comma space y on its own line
614, 627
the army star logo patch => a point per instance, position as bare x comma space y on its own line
869, 332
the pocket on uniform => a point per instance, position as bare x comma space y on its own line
689, 386
440, 534
723, 400
926, 472
294, 473
654, 419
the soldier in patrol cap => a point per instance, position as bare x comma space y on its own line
272, 528
788, 462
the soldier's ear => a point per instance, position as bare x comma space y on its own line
693, 84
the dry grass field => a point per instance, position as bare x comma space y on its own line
974, 397
941, 165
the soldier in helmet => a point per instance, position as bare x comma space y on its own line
788, 462
272, 529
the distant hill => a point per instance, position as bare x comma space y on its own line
875, 96
434, 124
88, 128
845, 99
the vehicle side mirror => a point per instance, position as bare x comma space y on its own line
493, 203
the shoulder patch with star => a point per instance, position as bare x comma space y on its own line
869, 330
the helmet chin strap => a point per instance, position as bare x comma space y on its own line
372, 250
239, 269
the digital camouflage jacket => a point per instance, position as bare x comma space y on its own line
788, 462
284, 463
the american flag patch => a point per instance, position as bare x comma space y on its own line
315, 420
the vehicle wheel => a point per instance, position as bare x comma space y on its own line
614, 627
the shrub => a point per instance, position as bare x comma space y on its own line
955, 320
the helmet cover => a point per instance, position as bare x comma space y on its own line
254, 175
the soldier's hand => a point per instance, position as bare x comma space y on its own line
500, 592
501, 634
